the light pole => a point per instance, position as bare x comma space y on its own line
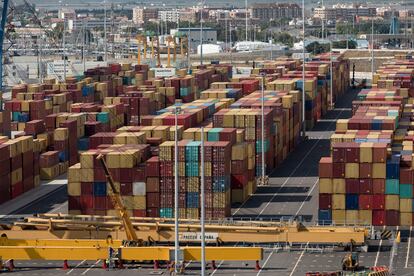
203, 213
246, 18
201, 32
64, 48
303, 72
177, 110
105, 38
331, 80
264, 180
372, 50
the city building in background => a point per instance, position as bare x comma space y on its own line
342, 11
265, 12
143, 14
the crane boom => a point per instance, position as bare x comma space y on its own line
118, 204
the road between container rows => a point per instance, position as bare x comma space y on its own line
303, 166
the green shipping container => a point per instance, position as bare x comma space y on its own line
392, 187
166, 213
406, 191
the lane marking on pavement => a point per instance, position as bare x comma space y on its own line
297, 167
264, 264
379, 249
308, 195
89, 268
408, 248
215, 270
298, 261
70, 271
287, 180
57, 208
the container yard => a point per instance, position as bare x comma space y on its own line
153, 160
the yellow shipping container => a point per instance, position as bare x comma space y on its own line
406, 205
392, 202
351, 170
351, 216
338, 186
74, 188
378, 170
86, 160
325, 186
338, 202
74, 174
406, 219
365, 152
86, 175
342, 124
339, 216
365, 217
139, 202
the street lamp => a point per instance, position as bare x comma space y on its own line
201, 32
203, 213
177, 110
303, 72
264, 180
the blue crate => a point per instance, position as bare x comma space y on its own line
23, 118
352, 202
166, 212
63, 156
192, 169
103, 117
221, 183
99, 188
192, 200
325, 216
15, 116
213, 134
83, 143
392, 186
393, 167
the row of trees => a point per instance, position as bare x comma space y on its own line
317, 48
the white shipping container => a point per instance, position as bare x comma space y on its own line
138, 189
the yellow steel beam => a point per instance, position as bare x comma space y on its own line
52, 253
224, 253
128, 253
60, 242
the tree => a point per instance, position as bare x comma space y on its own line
284, 38
342, 44
55, 34
316, 48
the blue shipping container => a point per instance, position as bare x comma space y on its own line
352, 202
99, 188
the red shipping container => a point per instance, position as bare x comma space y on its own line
392, 218
153, 200
352, 153
338, 170
99, 203
74, 203
4, 152
325, 201
152, 185
4, 190
153, 212
365, 186
365, 202
4, 167
125, 175
378, 217
139, 213
16, 189
378, 186
86, 189
379, 153
28, 184
126, 189
16, 162
406, 176
153, 167
365, 170
86, 202
326, 167
378, 202
352, 186
49, 159
109, 203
